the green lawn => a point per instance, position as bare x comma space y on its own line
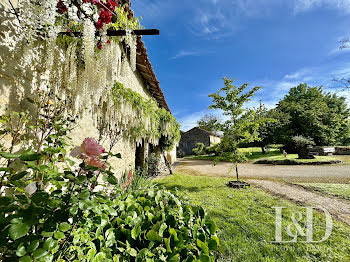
255, 154
247, 222
271, 154
339, 190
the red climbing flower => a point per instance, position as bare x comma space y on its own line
61, 7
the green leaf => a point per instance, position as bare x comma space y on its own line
211, 226
153, 236
175, 258
50, 244
33, 246
59, 235
172, 231
9, 155
161, 229
203, 246
30, 156
18, 230
167, 244
21, 251
47, 234
4, 201
204, 258
64, 226
81, 179
39, 253
5, 169
112, 180
18, 176
135, 232
213, 245
25, 259
132, 252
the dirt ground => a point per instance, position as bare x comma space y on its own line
315, 174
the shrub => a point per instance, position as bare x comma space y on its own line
152, 165
301, 144
52, 211
214, 149
199, 149
180, 153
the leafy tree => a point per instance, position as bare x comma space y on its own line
269, 129
315, 114
242, 125
208, 122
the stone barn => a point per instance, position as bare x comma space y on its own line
196, 135
107, 81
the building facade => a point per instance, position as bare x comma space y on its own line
196, 135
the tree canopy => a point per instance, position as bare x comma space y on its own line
315, 114
209, 122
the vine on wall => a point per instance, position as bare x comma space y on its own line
142, 119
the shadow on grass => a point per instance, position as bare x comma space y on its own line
226, 157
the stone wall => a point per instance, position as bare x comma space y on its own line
189, 139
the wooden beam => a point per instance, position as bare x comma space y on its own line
111, 32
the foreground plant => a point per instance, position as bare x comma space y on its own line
52, 210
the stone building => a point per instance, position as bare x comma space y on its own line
25, 68
196, 135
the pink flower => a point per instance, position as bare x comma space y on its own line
89, 148
96, 162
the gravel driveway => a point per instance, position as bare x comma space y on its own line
338, 208
274, 179
321, 174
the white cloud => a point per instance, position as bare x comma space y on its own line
184, 53
306, 5
189, 121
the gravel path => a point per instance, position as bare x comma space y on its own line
338, 208
275, 180
315, 174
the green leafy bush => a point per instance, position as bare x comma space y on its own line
302, 144
199, 149
55, 209
214, 149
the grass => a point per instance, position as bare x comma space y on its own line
255, 154
338, 190
247, 222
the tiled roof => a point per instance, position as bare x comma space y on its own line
145, 68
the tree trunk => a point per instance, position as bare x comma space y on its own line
263, 150
237, 172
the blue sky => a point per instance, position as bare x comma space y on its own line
276, 44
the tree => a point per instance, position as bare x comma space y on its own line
270, 123
314, 114
242, 125
209, 122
